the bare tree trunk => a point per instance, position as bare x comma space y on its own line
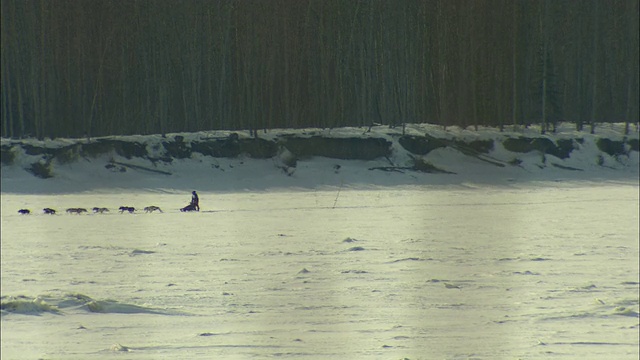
442, 61
222, 76
514, 64
7, 102
96, 90
544, 28
628, 112
20, 106
594, 97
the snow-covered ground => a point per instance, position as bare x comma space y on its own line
200, 172
529, 261
402, 272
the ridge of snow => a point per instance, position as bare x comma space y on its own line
586, 163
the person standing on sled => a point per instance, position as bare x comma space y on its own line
195, 202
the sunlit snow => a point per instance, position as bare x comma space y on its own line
488, 263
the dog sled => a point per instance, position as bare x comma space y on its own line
188, 208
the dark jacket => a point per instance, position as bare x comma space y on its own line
195, 201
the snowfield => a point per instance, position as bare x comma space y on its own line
329, 263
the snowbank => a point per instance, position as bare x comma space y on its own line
309, 158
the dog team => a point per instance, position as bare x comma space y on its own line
194, 205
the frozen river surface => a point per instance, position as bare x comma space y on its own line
537, 271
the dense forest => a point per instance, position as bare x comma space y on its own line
90, 68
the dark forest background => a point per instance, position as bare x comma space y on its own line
73, 68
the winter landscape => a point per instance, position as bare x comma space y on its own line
377, 179
454, 252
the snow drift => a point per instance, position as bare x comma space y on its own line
225, 160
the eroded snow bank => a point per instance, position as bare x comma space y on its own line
308, 158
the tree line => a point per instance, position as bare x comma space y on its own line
108, 67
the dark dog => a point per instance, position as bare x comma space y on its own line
190, 207
130, 209
49, 211
24, 211
150, 209
100, 210
76, 211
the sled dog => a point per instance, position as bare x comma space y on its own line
76, 211
24, 211
130, 209
150, 209
100, 210
49, 211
